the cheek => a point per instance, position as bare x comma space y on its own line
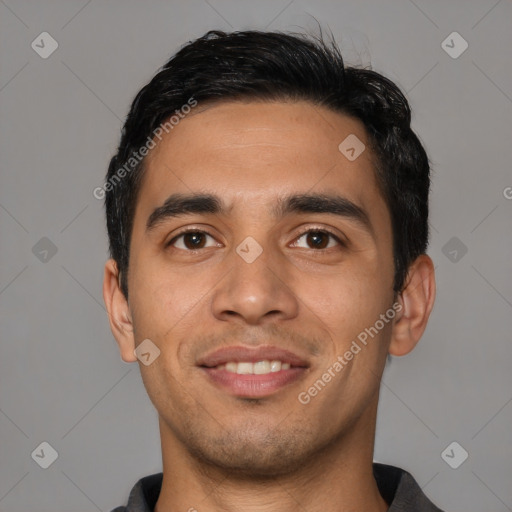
155, 297
346, 301
165, 300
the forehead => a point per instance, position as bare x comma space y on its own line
252, 152
278, 126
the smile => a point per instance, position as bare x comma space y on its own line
252, 372
258, 368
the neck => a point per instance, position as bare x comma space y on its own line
337, 479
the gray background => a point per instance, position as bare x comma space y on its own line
62, 380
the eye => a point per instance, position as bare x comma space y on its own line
193, 240
317, 239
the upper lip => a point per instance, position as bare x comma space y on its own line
251, 355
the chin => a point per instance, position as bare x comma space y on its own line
255, 454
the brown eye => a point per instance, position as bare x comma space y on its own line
317, 239
193, 240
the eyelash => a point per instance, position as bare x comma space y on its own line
309, 230
324, 231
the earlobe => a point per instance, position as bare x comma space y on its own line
119, 314
416, 301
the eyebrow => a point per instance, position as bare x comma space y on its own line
323, 203
182, 204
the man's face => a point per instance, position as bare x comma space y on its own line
299, 290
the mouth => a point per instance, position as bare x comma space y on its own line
253, 372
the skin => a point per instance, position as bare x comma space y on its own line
223, 452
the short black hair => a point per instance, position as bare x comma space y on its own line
256, 65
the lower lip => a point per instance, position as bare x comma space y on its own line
254, 386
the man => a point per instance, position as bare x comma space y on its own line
267, 215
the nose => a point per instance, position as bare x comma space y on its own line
255, 293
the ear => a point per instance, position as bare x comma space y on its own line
416, 301
118, 312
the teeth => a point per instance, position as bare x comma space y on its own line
275, 366
259, 368
245, 368
231, 367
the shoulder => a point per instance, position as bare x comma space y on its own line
399, 488
143, 495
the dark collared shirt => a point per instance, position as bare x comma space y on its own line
396, 486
